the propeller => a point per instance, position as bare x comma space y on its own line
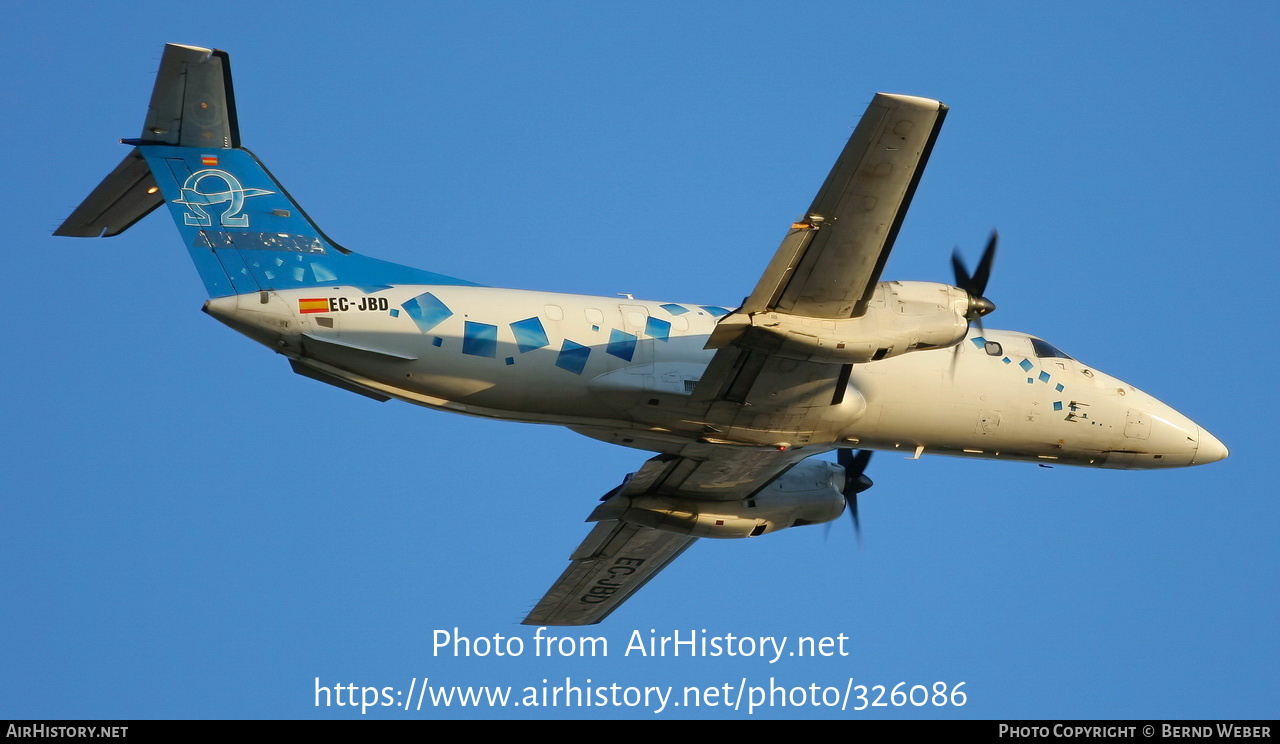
855, 481
976, 284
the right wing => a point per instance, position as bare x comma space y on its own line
829, 263
827, 267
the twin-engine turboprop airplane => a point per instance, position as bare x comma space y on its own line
822, 355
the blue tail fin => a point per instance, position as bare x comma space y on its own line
243, 230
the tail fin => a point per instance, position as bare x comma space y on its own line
243, 230
191, 106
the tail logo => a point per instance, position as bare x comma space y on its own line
212, 186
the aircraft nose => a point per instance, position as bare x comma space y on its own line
1208, 448
1160, 437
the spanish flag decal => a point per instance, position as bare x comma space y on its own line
208, 160
316, 305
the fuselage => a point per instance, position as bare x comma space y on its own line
604, 364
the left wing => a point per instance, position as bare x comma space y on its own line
624, 550
615, 560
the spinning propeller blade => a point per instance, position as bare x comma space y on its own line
855, 482
975, 285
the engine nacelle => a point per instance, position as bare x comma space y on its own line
808, 493
901, 317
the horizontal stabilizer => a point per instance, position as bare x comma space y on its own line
191, 106
125, 196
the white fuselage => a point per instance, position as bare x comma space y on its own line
603, 365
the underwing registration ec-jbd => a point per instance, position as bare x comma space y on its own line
735, 402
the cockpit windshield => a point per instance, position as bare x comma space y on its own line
1045, 349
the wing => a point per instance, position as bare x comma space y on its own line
620, 555
830, 261
615, 560
827, 267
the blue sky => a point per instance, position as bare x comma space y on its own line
192, 531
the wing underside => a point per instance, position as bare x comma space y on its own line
827, 267
830, 260
619, 556
615, 560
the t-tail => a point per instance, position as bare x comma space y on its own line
243, 230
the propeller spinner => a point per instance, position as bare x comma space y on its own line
976, 284
855, 481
